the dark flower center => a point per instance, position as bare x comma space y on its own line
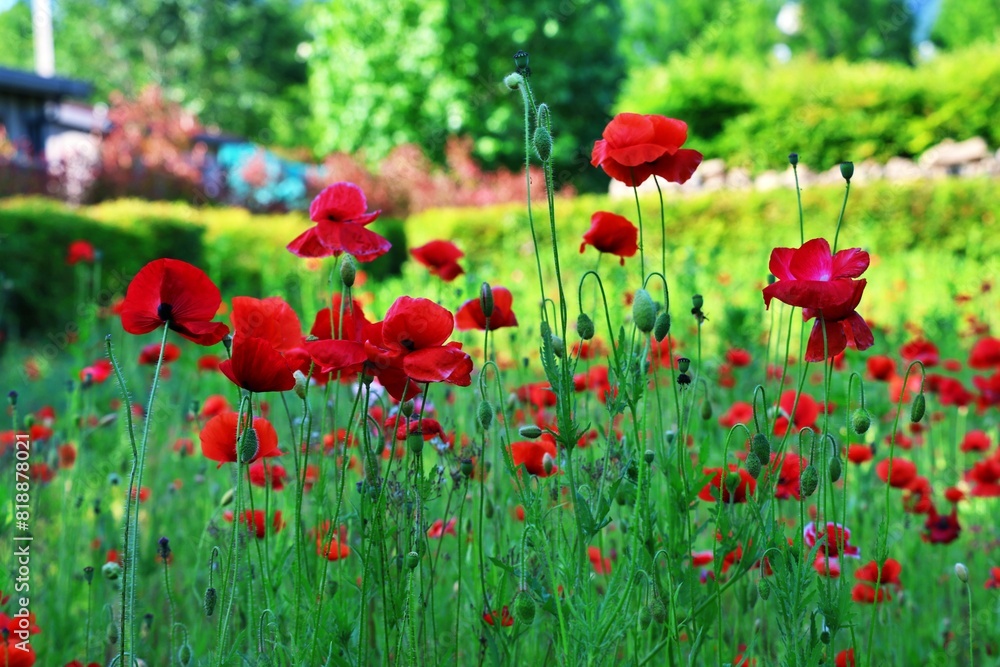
164, 311
408, 344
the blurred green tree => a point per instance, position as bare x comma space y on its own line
857, 29
383, 74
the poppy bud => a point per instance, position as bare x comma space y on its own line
809, 480
111, 634
648, 456
962, 573
847, 170
645, 618
662, 326
524, 608
412, 560
548, 463
683, 379
918, 408
227, 498
697, 301
210, 598
861, 421
761, 446
348, 271
415, 442
732, 482
301, 381
836, 467
88, 574
658, 610
706, 411
643, 311
513, 81
227, 342
12, 398
406, 408
793, 159
558, 346
530, 431
249, 445
544, 116
521, 60
763, 586
485, 414
753, 465
543, 143
585, 326
824, 636
683, 364
184, 654
486, 299
466, 467
111, 571
163, 550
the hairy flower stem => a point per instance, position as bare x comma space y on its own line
131, 537
843, 207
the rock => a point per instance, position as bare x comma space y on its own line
950, 154
714, 168
768, 180
738, 179
902, 169
868, 171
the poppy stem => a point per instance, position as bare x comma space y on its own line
843, 207
663, 228
642, 243
798, 194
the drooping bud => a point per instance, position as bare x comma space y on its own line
836, 468
662, 326
348, 271
249, 445
542, 141
184, 654
227, 342
809, 480
645, 617
111, 634
643, 311
918, 408
733, 482
406, 408
658, 610
486, 299
706, 410
513, 81
211, 596
485, 414
530, 432
301, 382
467, 467
585, 326
847, 170
753, 465
548, 463
524, 608
861, 421
763, 586
761, 446
648, 456
111, 570
962, 573
415, 442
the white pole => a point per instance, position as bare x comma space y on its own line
45, 53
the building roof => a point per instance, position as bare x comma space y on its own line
32, 85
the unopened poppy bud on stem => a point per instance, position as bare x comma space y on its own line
542, 141
809, 480
847, 170
558, 346
485, 414
486, 299
918, 408
415, 442
530, 431
406, 408
962, 573
662, 326
836, 468
643, 311
648, 456
524, 607
585, 326
761, 446
211, 596
348, 271
793, 159
249, 445
753, 465
861, 421
513, 81
412, 560
301, 381
548, 463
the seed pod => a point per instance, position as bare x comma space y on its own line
415, 443
249, 445
467, 467
585, 326
524, 608
658, 610
184, 654
861, 421
752, 465
918, 408
662, 326
793, 159
643, 311
836, 468
412, 560
648, 456
847, 170
530, 432
761, 446
809, 480
683, 364
962, 573
697, 301
764, 589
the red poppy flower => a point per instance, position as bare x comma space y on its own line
845, 659
218, 439
612, 234
271, 319
880, 367
256, 366
439, 529
14, 653
418, 329
601, 565
97, 372
738, 357
441, 257
859, 454
532, 455
739, 412
470, 314
903, 472
175, 293
976, 441
256, 521
985, 353
339, 212
263, 473
837, 543
994, 580
80, 251
985, 477
788, 468
941, 528
506, 620
921, 350
635, 147
889, 575
332, 550
744, 489
865, 594
149, 354
805, 416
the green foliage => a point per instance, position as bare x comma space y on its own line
857, 29
965, 22
826, 111
422, 70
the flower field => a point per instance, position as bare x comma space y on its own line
773, 444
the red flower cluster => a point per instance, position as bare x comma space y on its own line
823, 285
441, 257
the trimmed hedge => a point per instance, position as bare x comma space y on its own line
828, 111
